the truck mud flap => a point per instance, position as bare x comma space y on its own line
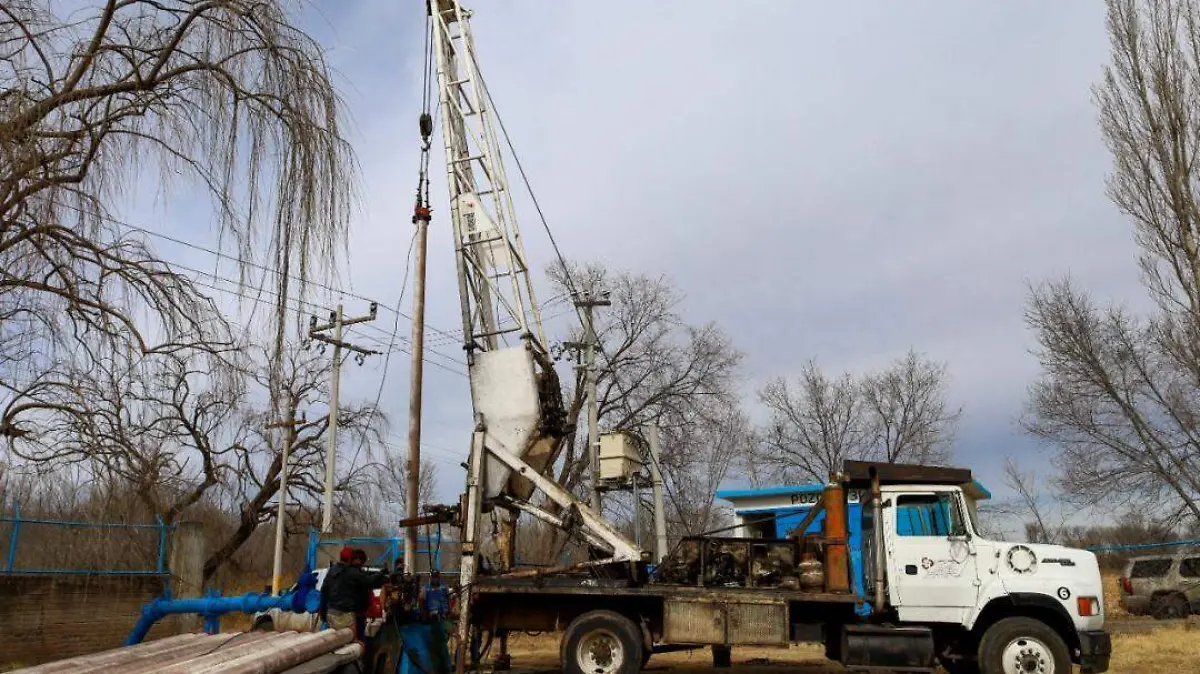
699, 621
870, 648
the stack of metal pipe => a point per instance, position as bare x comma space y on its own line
231, 653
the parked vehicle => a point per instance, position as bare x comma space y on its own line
1164, 586
286, 621
935, 587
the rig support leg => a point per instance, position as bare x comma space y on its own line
470, 546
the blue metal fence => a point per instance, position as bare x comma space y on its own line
20, 538
390, 549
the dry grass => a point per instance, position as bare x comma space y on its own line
1112, 596
1161, 651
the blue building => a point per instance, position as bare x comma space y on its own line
773, 512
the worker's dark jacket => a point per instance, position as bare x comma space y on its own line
348, 588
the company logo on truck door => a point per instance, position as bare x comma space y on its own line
811, 498
942, 568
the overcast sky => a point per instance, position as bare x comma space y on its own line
838, 181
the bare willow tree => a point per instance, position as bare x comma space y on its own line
1119, 392
224, 95
898, 415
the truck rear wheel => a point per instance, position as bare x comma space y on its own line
1023, 646
602, 642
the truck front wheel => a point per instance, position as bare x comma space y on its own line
1023, 646
602, 642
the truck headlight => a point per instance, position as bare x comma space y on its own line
1088, 606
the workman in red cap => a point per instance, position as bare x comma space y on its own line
346, 591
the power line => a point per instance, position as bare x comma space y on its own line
255, 265
393, 336
298, 309
446, 338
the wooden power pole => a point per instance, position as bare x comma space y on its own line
336, 323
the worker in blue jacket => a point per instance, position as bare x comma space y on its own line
435, 598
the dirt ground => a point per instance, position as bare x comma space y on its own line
1169, 650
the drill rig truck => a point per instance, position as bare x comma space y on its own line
937, 590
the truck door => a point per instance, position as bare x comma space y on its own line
933, 571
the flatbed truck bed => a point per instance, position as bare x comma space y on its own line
668, 614
572, 587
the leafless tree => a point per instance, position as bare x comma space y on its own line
815, 425
1118, 399
697, 458
1118, 392
1150, 119
226, 95
258, 454
898, 415
190, 429
908, 413
656, 368
1042, 525
153, 423
389, 485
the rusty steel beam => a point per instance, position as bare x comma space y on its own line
228, 651
215, 648
281, 657
860, 473
837, 550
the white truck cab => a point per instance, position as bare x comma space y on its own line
996, 607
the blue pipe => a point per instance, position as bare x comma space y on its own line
1142, 546
304, 599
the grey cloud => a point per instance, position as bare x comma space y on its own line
840, 181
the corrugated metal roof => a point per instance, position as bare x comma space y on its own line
232, 653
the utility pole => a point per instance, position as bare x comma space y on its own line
289, 437
660, 514
587, 301
337, 321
